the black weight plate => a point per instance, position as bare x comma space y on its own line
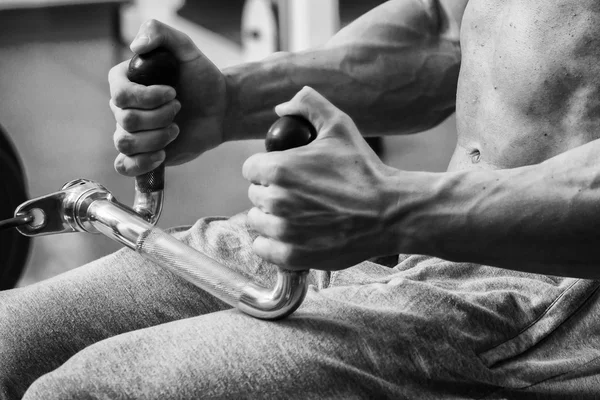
14, 247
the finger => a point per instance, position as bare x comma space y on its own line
281, 254
268, 225
257, 195
311, 105
126, 94
263, 169
153, 34
139, 163
134, 120
272, 199
144, 141
272, 251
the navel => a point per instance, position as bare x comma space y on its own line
475, 156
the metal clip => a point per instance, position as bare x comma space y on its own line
62, 211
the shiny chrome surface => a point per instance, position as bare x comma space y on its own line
148, 205
278, 302
117, 222
228, 285
57, 212
149, 194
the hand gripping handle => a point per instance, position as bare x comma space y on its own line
161, 67
157, 67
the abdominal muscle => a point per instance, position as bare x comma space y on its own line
529, 86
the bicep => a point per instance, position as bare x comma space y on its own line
399, 20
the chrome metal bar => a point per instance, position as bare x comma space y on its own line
148, 205
85, 206
226, 284
119, 223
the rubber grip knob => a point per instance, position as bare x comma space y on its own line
288, 132
157, 67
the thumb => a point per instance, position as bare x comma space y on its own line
310, 104
153, 34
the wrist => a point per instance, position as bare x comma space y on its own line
252, 91
416, 212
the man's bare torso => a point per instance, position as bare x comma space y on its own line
529, 86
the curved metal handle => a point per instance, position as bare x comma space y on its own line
157, 67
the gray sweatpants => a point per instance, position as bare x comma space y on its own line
124, 328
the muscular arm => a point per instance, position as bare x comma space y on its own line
394, 70
543, 218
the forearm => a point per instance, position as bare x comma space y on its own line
543, 218
390, 73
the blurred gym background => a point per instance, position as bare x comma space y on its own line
54, 59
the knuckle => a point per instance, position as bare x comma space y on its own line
251, 217
120, 166
168, 134
282, 231
257, 200
276, 172
143, 164
188, 41
275, 203
121, 97
339, 120
305, 94
269, 204
251, 196
175, 107
151, 25
290, 256
124, 144
344, 118
148, 161
249, 170
129, 120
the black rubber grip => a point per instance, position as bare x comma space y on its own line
288, 132
151, 181
157, 67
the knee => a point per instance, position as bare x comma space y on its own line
17, 361
28, 343
57, 386
94, 372
76, 379
54, 386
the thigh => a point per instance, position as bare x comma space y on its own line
373, 334
225, 355
330, 348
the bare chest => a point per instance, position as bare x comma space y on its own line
529, 86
